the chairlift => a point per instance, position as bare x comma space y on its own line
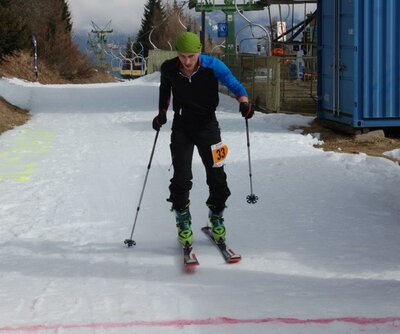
250, 25
137, 65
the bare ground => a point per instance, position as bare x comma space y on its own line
11, 116
337, 141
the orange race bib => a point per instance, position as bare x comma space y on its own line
219, 153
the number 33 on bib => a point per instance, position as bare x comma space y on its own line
219, 153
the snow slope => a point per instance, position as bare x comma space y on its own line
320, 249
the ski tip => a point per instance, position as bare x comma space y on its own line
234, 259
190, 267
191, 264
206, 228
193, 261
190, 259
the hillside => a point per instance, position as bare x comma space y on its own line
20, 66
11, 116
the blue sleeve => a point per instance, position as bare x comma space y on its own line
223, 74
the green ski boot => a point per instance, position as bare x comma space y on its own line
217, 226
183, 224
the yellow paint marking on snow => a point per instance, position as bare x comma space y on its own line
19, 162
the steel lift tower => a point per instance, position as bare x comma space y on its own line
97, 43
229, 8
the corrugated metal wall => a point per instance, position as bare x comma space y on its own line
380, 40
359, 62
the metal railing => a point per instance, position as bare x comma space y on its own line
277, 84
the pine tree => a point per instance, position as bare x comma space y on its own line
152, 23
176, 8
66, 16
178, 22
50, 21
13, 32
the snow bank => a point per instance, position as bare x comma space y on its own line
125, 96
395, 154
16, 92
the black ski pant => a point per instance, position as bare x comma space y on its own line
183, 141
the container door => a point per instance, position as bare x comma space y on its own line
336, 57
358, 59
326, 54
344, 59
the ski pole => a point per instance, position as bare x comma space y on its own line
130, 242
251, 199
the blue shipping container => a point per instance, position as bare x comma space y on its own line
359, 62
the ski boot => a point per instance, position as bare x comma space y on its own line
217, 226
183, 224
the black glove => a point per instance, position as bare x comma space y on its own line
159, 120
246, 109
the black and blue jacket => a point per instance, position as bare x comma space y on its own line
195, 98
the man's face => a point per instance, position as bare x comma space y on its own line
188, 60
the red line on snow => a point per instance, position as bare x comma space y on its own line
363, 321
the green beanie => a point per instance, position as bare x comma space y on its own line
188, 42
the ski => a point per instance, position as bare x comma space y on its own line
228, 254
189, 258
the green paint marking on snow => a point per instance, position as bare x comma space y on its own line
19, 162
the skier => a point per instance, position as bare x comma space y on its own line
193, 78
